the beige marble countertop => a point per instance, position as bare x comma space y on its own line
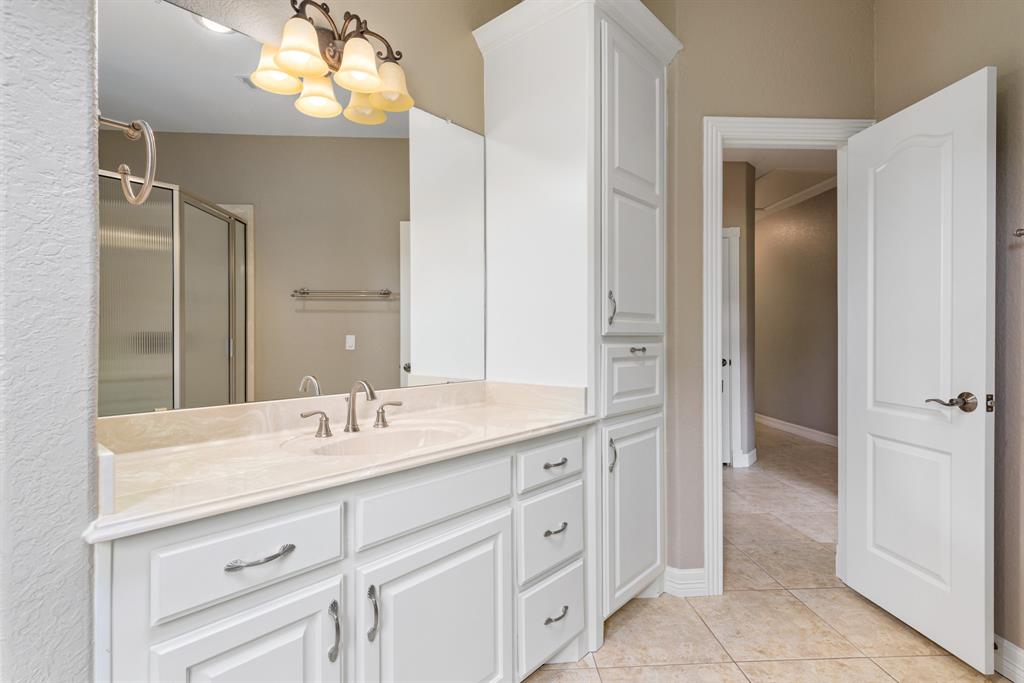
159, 487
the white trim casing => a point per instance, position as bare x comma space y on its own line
799, 430
1009, 660
685, 583
754, 133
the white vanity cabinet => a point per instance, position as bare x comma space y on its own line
632, 185
282, 640
469, 569
576, 259
441, 610
633, 506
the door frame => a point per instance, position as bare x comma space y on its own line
734, 235
722, 132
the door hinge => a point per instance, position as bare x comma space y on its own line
990, 403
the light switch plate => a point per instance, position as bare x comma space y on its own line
350, 342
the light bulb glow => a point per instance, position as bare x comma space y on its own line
299, 53
393, 94
360, 110
358, 70
269, 76
317, 98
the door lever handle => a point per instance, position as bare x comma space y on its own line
965, 401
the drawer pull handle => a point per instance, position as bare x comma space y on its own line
615, 307
332, 654
551, 620
615, 455
559, 530
239, 565
371, 635
552, 465
638, 349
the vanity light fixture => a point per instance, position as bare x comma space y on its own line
310, 54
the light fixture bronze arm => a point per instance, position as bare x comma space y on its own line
333, 51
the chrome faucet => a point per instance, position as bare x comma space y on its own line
352, 424
310, 381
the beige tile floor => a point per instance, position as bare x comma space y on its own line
784, 615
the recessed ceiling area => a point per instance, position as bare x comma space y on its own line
767, 160
783, 173
158, 63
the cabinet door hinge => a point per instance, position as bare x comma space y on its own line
990, 403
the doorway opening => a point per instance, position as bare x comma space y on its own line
779, 368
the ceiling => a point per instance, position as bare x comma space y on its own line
768, 160
156, 62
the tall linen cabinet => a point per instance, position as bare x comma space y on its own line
575, 94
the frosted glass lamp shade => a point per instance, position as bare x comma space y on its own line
360, 110
317, 98
393, 94
269, 76
358, 71
299, 53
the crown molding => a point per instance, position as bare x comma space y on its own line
632, 15
641, 23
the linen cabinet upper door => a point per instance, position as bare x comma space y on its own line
633, 185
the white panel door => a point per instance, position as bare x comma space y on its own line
633, 211
920, 292
440, 611
293, 639
633, 505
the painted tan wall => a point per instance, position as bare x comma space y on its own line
738, 212
784, 183
782, 58
326, 216
796, 377
921, 47
444, 68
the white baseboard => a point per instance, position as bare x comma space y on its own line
685, 583
1010, 660
747, 459
799, 430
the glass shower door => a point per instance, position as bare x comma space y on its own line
136, 354
206, 286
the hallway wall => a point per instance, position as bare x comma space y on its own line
796, 375
922, 47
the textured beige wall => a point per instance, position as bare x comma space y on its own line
784, 183
444, 67
796, 379
921, 47
326, 217
738, 212
771, 58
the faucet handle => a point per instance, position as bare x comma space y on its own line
324, 428
382, 419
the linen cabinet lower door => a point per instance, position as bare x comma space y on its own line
633, 508
440, 610
293, 639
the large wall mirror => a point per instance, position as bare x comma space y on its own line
274, 245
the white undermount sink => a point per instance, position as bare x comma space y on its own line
390, 440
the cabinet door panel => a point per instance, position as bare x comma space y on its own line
444, 609
633, 214
288, 640
633, 503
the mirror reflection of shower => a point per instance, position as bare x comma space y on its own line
172, 301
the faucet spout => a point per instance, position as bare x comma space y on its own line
352, 424
310, 381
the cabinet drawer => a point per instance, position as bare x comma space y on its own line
550, 615
550, 529
633, 377
399, 510
202, 571
549, 462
